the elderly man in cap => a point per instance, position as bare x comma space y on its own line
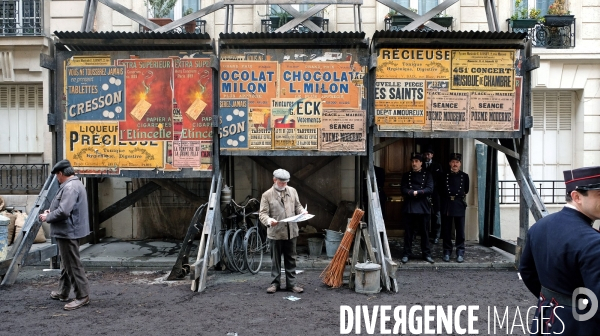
453, 188
417, 186
280, 202
560, 263
68, 218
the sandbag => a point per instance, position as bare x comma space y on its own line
20, 222
11, 225
2, 203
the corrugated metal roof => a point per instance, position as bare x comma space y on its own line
468, 39
114, 41
295, 39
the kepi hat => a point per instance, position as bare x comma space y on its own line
586, 178
455, 156
417, 156
429, 150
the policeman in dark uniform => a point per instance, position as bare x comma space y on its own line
561, 259
417, 186
436, 171
454, 186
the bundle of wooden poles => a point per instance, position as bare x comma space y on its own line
333, 274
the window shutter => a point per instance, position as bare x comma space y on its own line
565, 108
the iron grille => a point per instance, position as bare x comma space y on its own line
21, 17
23, 178
550, 191
550, 37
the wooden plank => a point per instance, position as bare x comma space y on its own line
293, 2
501, 148
502, 244
90, 238
128, 201
130, 14
191, 17
33, 257
237, 152
354, 260
170, 185
447, 134
312, 168
298, 184
384, 144
374, 219
345, 209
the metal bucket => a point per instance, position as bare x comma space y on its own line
331, 247
333, 235
367, 278
315, 247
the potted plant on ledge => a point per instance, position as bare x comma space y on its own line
522, 18
558, 15
443, 20
160, 10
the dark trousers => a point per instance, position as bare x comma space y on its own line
416, 223
459, 225
436, 224
287, 248
72, 273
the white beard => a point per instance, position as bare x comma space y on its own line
277, 188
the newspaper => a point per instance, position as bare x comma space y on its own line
298, 218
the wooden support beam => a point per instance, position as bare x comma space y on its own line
298, 184
301, 18
384, 144
502, 244
191, 17
421, 20
189, 196
407, 12
501, 148
130, 14
312, 168
32, 257
128, 201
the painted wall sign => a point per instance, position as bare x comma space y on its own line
255, 81
97, 144
483, 70
149, 100
95, 93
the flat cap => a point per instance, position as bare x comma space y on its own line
60, 165
282, 175
586, 178
417, 156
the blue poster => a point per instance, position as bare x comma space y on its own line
95, 93
233, 123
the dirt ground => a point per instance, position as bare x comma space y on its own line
125, 302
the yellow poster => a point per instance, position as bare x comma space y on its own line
89, 60
96, 144
483, 70
413, 63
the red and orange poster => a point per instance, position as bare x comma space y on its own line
148, 100
255, 81
193, 99
331, 82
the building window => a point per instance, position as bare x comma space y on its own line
21, 17
426, 5
543, 5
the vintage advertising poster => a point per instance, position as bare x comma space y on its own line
206, 155
187, 154
95, 93
413, 63
233, 123
96, 144
491, 111
483, 70
255, 81
343, 130
331, 82
446, 110
283, 123
89, 60
148, 99
192, 99
518, 94
260, 128
400, 101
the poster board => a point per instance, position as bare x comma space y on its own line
458, 90
126, 114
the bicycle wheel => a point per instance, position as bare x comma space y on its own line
227, 247
220, 242
237, 251
253, 252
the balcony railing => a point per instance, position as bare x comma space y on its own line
199, 28
21, 17
550, 37
22, 178
551, 192
266, 26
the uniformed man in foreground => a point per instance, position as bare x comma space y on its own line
417, 186
454, 186
561, 258
436, 171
